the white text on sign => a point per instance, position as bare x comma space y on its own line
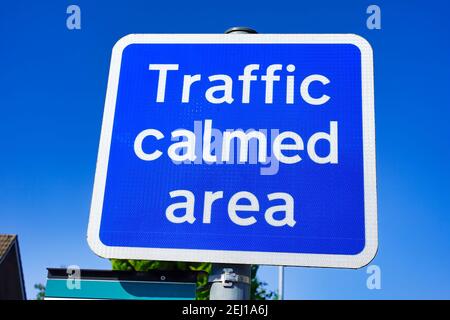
282, 146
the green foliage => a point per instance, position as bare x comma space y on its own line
41, 291
258, 288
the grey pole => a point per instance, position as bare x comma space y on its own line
240, 30
280, 282
231, 281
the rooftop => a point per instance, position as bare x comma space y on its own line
6, 241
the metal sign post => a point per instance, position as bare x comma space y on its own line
280, 282
231, 281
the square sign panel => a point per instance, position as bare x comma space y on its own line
252, 149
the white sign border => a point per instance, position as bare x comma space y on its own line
241, 257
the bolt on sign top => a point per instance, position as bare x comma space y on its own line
251, 149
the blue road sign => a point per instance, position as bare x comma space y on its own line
253, 149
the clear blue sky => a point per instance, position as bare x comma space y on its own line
52, 89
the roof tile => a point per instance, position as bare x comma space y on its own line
6, 240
